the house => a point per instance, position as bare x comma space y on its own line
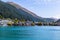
4, 22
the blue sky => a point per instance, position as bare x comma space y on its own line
43, 8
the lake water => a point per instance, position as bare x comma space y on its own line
30, 33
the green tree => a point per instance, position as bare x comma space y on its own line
16, 21
1, 17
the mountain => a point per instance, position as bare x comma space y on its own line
12, 10
22, 8
26, 12
58, 21
31, 13
50, 19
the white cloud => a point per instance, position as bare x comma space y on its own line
57, 16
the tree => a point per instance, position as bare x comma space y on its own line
1, 17
16, 21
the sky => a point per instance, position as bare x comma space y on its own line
42, 8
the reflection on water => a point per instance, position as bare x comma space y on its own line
30, 33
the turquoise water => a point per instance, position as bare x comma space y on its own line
30, 33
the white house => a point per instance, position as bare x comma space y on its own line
4, 22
